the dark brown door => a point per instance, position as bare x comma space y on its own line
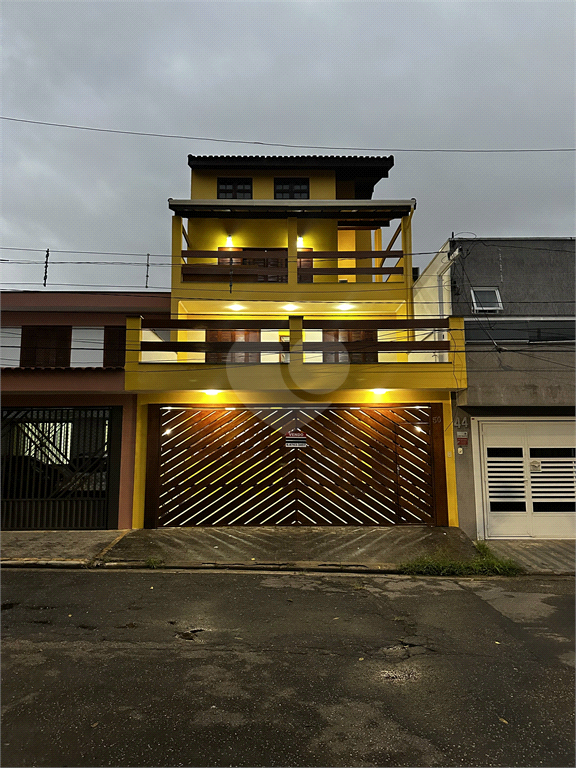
360, 466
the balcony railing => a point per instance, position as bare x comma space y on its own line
305, 354
271, 266
325, 341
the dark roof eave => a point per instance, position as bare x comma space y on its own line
343, 210
284, 162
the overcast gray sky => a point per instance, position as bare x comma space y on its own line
382, 75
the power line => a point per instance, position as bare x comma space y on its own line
114, 290
279, 144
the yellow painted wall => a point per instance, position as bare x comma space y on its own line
449, 454
399, 375
205, 183
211, 234
140, 462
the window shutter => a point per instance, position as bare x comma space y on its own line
46, 346
114, 346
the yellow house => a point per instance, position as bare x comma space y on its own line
291, 383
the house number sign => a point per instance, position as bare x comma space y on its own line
295, 439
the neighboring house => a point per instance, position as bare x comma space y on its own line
68, 424
514, 424
283, 381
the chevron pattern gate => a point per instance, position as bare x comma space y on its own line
360, 466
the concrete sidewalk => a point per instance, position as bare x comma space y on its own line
367, 549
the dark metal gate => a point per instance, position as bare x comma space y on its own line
232, 466
60, 468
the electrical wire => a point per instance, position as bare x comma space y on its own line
377, 254
276, 144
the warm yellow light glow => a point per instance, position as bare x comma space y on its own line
236, 307
290, 307
344, 307
418, 429
211, 392
379, 391
167, 431
229, 242
300, 242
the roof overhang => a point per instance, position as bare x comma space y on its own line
338, 163
363, 170
376, 213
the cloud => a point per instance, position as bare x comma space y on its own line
355, 74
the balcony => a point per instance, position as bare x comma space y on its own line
265, 354
312, 276
259, 266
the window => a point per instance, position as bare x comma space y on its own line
234, 189
486, 300
291, 189
46, 346
10, 346
87, 347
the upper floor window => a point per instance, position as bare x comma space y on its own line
291, 189
46, 346
486, 300
235, 189
64, 346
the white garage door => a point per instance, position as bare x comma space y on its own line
529, 482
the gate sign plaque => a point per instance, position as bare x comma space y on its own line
462, 438
295, 439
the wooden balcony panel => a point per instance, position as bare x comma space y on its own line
381, 346
381, 325
309, 323
309, 346
333, 255
236, 253
283, 253
260, 277
304, 271
237, 269
214, 346
235, 324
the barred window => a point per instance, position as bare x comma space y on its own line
235, 189
291, 189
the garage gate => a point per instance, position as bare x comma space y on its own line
60, 468
237, 466
528, 478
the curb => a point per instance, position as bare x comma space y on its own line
311, 566
297, 566
33, 563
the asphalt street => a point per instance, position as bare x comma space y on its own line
212, 668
